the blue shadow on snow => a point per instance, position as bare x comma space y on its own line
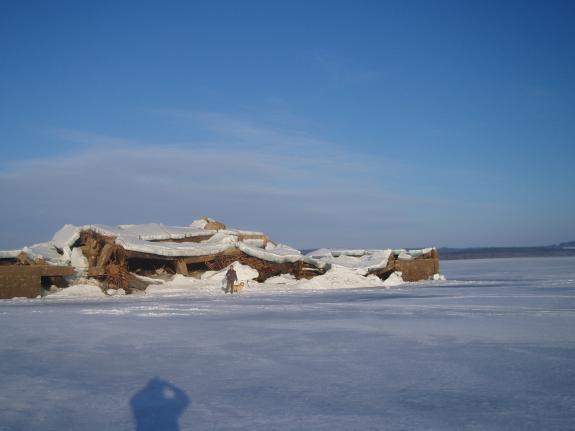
158, 406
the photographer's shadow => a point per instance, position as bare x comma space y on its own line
158, 406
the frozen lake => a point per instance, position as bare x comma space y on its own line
492, 348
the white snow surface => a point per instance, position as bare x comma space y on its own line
213, 282
9, 254
403, 255
199, 224
140, 238
80, 291
243, 272
395, 280
279, 253
259, 243
48, 252
66, 236
172, 249
341, 277
78, 260
281, 279
492, 348
361, 260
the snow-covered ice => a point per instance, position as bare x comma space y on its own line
80, 291
490, 348
243, 273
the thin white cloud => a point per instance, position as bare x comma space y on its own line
275, 135
91, 139
323, 196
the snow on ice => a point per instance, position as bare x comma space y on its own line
491, 348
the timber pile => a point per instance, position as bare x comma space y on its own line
266, 269
25, 277
418, 268
111, 264
118, 256
213, 224
28, 280
106, 260
24, 259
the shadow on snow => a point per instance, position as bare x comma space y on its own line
158, 406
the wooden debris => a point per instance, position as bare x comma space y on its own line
26, 280
24, 259
181, 267
266, 269
213, 224
106, 260
419, 268
105, 254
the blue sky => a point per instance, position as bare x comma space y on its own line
338, 124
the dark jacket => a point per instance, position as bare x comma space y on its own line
231, 275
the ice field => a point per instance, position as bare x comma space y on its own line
491, 348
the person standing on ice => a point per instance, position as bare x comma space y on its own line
231, 278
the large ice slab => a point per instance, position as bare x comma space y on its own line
66, 236
363, 261
279, 254
48, 252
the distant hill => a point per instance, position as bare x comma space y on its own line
563, 249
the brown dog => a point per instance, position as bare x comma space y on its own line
237, 287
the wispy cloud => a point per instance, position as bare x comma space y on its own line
299, 189
272, 135
93, 140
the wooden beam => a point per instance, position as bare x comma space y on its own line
96, 271
37, 270
199, 259
24, 259
188, 259
50, 270
26, 280
105, 255
140, 255
181, 267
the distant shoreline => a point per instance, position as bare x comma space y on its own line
448, 253
503, 252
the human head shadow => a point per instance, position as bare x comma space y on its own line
158, 406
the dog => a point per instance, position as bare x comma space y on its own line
237, 287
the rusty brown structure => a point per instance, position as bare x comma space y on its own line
419, 268
27, 281
111, 260
112, 264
